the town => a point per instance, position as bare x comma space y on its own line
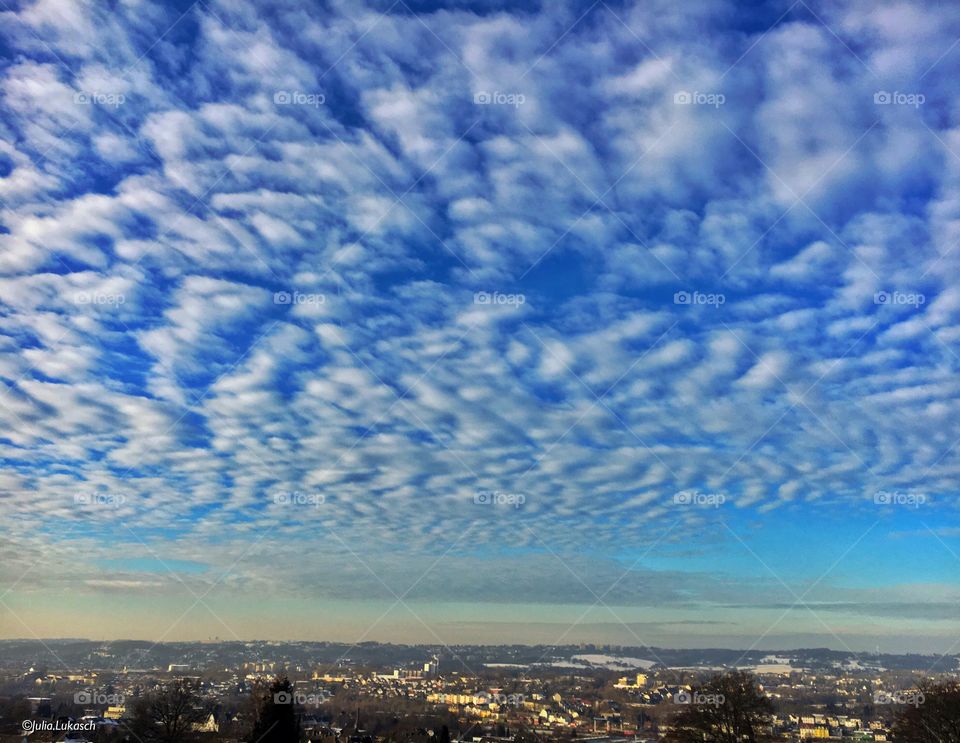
371, 693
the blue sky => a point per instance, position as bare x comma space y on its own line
625, 322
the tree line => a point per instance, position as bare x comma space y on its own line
732, 708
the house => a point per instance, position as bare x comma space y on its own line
209, 725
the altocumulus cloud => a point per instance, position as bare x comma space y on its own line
487, 281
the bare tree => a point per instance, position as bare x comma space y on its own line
729, 708
934, 717
171, 714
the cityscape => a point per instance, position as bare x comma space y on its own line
480, 694
479, 371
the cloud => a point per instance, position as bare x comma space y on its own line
269, 273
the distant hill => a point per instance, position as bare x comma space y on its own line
143, 654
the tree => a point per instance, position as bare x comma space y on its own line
170, 714
729, 708
13, 712
276, 717
933, 718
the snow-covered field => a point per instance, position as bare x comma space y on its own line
609, 662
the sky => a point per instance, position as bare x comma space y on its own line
633, 323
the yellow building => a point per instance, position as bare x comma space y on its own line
625, 682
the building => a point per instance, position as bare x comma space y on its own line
209, 725
625, 683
